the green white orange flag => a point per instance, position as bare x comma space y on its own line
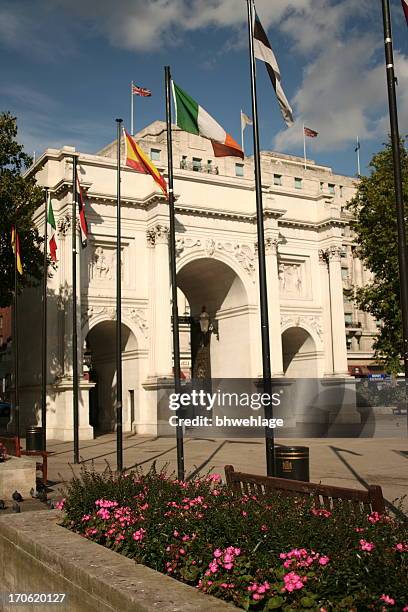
193, 118
138, 160
15, 245
51, 230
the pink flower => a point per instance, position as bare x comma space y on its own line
182, 551
139, 535
368, 546
387, 599
214, 478
321, 512
217, 553
85, 518
359, 529
374, 517
293, 582
60, 505
264, 528
401, 547
405, 609
324, 560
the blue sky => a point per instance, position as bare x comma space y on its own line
67, 65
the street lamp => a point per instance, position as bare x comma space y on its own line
207, 325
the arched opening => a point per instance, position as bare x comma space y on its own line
101, 342
299, 354
212, 283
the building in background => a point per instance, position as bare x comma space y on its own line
310, 257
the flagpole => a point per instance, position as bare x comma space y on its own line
304, 145
131, 108
396, 143
266, 360
358, 157
74, 311
15, 336
44, 331
173, 273
119, 437
242, 134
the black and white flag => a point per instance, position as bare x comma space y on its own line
263, 51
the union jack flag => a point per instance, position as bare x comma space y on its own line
141, 91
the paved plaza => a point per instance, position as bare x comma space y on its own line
342, 461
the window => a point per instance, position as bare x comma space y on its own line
331, 188
239, 169
348, 318
344, 273
341, 190
298, 183
183, 161
277, 179
155, 154
321, 186
197, 164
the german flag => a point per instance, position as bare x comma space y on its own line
15, 245
138, 160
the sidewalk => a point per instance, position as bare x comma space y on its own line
341, 461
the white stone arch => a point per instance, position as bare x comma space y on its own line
248, 280
307, 361
93, 321
316, 337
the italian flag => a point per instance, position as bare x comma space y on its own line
51, 230
193, 118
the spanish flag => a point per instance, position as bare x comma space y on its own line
138, 160
15, 245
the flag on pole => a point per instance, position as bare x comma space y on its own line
245, 120
141, 91
310, 133
52, 228
138, 160
357, 148
82, 219
405, 8
15, 245
263, 51
193, 118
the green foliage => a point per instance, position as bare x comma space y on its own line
244, 549
19, 199
376, 227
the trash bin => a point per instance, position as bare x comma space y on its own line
292, 462
34, 439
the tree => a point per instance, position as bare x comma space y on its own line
375, 225
19, 199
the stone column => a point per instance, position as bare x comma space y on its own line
162, 331
327, 325
337, 311
275, 336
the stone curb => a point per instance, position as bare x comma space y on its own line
94, 577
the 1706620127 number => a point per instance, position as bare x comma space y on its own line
33, 598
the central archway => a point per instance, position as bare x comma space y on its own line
212, 283
100, 342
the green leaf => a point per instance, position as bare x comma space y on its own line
274, 603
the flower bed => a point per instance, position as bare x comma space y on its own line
266, 553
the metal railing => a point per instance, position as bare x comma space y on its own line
195, 167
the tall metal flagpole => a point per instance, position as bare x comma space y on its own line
44, 331
242, 133
15, 338
358, 157
131, 108
395, 141
304, 145
74, 311
173, 274
266, 358
119, 437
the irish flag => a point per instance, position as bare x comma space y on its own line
51, 230
138, 160
193, 118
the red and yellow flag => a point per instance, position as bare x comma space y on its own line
138, 160
15, 245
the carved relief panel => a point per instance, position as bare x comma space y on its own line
102, 264
294, 278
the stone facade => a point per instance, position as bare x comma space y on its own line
308, 248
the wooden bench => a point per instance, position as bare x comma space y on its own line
13, 446
324, 496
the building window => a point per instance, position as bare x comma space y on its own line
155, 154
197, 164
183, 162
239, 169
348, 318
344, 273
321, 186
298, 183
277, 179
341, 190
331, 188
